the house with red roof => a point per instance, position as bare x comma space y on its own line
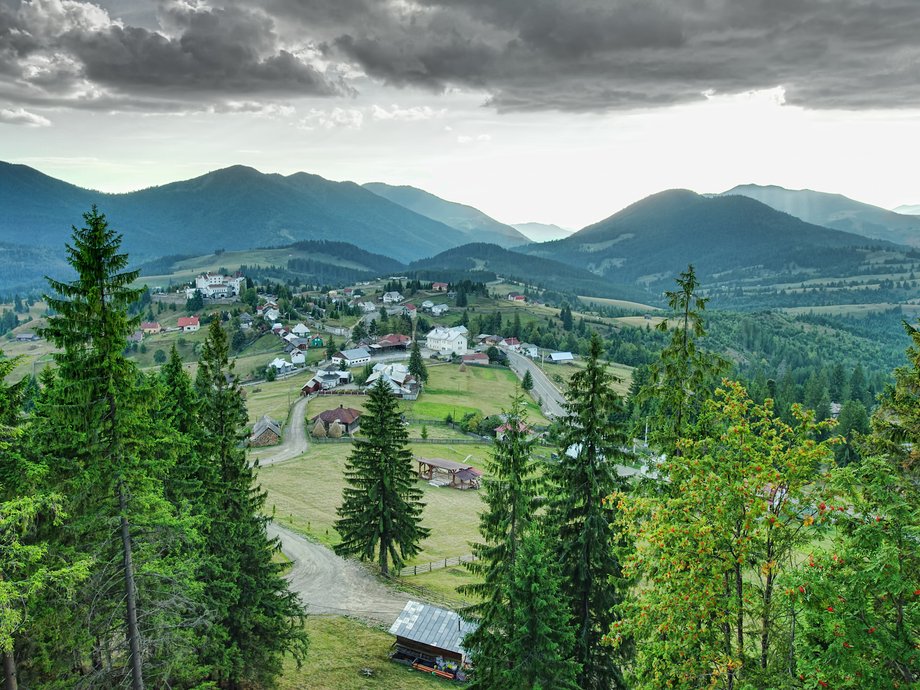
189, 324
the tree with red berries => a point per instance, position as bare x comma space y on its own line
709, 549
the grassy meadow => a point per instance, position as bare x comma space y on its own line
340, 648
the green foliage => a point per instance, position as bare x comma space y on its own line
416, 364
678, 382
254, 618
527, 381
857, 600
711, 546
380, 515
591, 438
95, 429
540, 641
195, 303
510, 493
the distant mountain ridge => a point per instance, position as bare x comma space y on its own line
729, 237
836, 211
232, 208
542, 232
473, 223
908, 209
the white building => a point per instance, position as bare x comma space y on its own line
216, 285
392, 297
271, 314
439, 309
448, 340
352, 358
300, 330
298, 357
281, 365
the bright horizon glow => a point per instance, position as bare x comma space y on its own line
568, 169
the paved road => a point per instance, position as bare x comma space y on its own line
330, 584
552, 401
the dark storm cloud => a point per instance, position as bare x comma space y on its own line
600, 54
71, 52
578, 55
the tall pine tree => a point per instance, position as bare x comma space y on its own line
417, 365
581, 520
511, 491
256, 619
381, 512
93, 427
683, 372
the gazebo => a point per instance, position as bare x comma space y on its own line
460, 475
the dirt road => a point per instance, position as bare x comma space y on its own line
330, 584
295, 438
327, 583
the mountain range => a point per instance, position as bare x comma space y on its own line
908, 209
232, 208
473, 223
733, 239
726, 237
541, 232
836, 211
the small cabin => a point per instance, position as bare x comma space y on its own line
430, 639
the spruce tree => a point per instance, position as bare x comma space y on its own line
381, 512
94, 428
527, 381
416, 365
510, 495
681, 376
581, 520
541, 640
256, 619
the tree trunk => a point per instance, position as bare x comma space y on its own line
9, 671
383, 558
134, 641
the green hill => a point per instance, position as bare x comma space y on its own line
473, 223
487, 261
836, 211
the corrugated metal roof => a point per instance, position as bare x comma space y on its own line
432, 626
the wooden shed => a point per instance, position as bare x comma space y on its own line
430, 639
265, 432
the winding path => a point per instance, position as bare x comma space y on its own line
327, 583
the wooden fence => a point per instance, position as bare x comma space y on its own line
435, 565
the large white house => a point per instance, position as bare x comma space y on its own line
448, 340
392, 297
216, 285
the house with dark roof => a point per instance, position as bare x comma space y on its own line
265, 432
348, 417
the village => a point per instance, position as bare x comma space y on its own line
305, 374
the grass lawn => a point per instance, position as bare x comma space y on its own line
566, 371
306, 492
274, 398
448, 391
340, 648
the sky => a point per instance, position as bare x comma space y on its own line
557, 111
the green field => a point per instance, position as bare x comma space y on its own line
449, 391
340, 648
305, 494
274, 398
622, 374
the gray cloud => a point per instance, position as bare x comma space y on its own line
21, 116
577, 55
71, 52
603, 54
